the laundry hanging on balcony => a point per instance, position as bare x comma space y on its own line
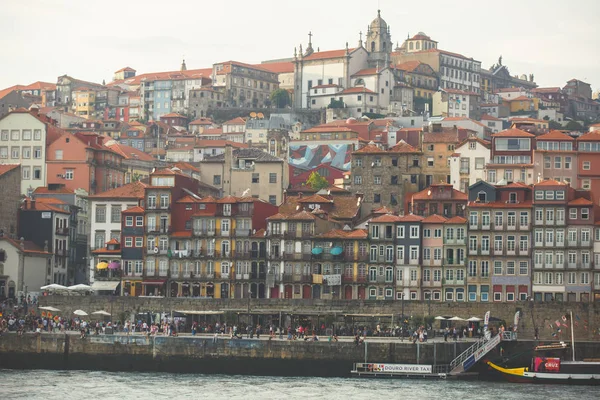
102, 265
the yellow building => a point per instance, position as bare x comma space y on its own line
84, 102
421, 77
522, 104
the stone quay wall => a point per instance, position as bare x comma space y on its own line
533, 314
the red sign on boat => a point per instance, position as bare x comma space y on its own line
546, 364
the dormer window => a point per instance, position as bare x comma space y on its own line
482, 197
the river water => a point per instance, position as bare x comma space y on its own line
15, 384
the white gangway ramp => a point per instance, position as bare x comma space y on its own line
476, 352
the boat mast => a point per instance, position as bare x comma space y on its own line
572, 338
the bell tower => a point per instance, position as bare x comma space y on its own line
378, 41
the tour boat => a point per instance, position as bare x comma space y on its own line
551, 369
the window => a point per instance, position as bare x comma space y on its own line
573, 213
358, 180
139, 241
37, 134
216, 179
547, 162
14, 135
128, 241
426, 233
510, 268
414, 232
14, 152
557, 162
129, 221
37, 173
26, 172
585, 213
139, 221
58, 154
472, 269
26, 134
255, 178
497, 268
4, 135
568, 162
479, 162
377, 180
37, 152
273, 199
272, 177
69, 173
376, 198
101, 214
586, 165
26, 152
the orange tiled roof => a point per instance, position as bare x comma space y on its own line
549, 182
133, 210
520, 98
315, 198
235, 121
369, 149
357, 89
403, 147
321, 55
301, 216
28, 246
277, 67
409, 65
589, 137
227, 200
128, 152
486, 117
581, 202
4, 168
182, 234
434, 219
366, 72
385, 218
513, 132
411, 218
134, 190
456, 220
45, 190
202, 121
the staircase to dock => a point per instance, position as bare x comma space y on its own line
476, 352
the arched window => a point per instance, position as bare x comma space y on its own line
372, 46
418, 45
410, 46
359, 82
482, 197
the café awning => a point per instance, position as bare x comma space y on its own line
194, 312
105, 285
102, 265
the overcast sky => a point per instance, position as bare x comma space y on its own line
556, 40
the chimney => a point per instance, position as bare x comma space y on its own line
25, 203
33, 204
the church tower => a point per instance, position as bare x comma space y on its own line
378, 42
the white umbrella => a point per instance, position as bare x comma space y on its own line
80, 312
474, 319
455, 319
80, 288
440, 318
53, 287
48, 308
101, 312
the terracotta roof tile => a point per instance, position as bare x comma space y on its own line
181, 234
357, 89
366, 72
133, 210
590, 137
282, 67
134, 190
28, 246
369, 149
581, 202
202, 121
235, 121
408, 65
513, 132
321, 55
4, 168
434, 219
45, 190
411, 218
549, 182
385, 219
403, 147
456, 220
173, 115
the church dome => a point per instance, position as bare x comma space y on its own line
378, 22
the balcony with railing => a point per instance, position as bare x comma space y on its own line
296, 256
454, 261
63, 231
205, 232
241, 232
107, 274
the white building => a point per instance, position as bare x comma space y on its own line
24, 136
512, 93
106, 211
467, 164
495, 124
483, 131
456, 103
23, 267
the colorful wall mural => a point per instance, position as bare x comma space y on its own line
310, 156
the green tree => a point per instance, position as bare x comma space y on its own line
336, 104
316, 181
280, 98
553, 125
574, 126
